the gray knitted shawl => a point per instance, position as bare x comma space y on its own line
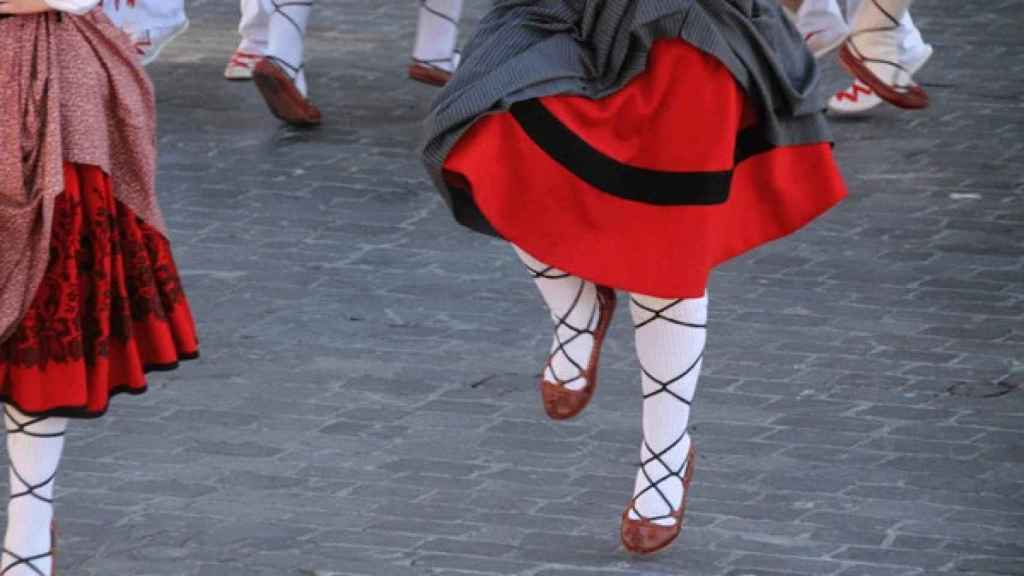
531, 48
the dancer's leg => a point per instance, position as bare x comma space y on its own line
437, 32
573, 305
670, 337
254, 27
34, 447
874, 53
287, 37
822, 25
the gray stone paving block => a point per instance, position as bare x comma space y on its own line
472, 563
875, 570
916, 558
1001, 566
786, 564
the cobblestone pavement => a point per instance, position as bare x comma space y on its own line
366, 402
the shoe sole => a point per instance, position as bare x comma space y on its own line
283, 99
428, 76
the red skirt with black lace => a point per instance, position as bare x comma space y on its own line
109, 309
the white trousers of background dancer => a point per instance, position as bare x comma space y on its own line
437, 32
254, 28
828, 18
152, 24
280, 75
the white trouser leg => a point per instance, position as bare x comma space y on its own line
287, 40
146, 15
437, 32
254, 27
909, 38
817, 15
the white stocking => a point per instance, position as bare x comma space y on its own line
879, 35
670, 336
34, 447
288, 19
574, 308
254, 27
437, 32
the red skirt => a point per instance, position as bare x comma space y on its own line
110, 308
646, 190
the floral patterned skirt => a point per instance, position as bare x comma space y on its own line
109, 309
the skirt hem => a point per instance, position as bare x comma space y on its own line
80, 412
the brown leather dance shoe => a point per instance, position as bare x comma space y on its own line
910, 96
429, 74
560, 402
644, 536
282, 96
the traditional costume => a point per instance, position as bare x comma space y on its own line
90, 298
633, 145
825, 28
434, 56
152, 24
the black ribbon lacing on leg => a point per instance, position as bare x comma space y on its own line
664, 387
437, 62
30, 488
860, 55
551, 273
279, 6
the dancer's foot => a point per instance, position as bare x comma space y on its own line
283, 96
872, 54
859, 98
642, 534
149, 43
563, 397
241, 65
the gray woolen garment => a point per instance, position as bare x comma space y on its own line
526, 49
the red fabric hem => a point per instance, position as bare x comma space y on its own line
110, 308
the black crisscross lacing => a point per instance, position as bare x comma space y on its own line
293, 70
439, 63
28, 562
895, 24
551, 273
30, 490
655, 484
656, 458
